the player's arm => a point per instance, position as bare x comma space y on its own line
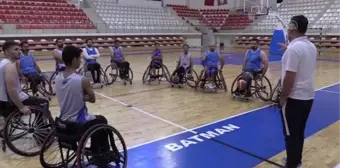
122, 54
221, 59
264, 60
160, 57
204, 57
97, 55
36, 66
11, 77
86, 55
88, 91
191, 63
291, 69
57, 56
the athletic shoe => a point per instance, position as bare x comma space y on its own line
284, 161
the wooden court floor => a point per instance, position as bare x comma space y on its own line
159, 110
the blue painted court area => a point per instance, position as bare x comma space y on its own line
258, 132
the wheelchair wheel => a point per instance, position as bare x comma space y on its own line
115, 156
221, 81
52, 147
263, 88
234, 85
275, 96
52, 79
112, 74
192, 79
45, 87
146, 75
104, 77
166, 73
33, 128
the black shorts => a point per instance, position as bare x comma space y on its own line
95, 66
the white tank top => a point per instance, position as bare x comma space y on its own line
184, 60
70, 97
3, 92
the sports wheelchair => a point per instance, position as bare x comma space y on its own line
83, 71
161, 73
45, 88
218, 78
258, 89
275, 95
33, 128
69, 141
113, 71
190, 78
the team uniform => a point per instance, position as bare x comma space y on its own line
59, 66
184, 62
211, 62
29, 70
123, 66
70, 95
6, 105
157, 63
90, 58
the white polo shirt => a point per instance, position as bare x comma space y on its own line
300, 57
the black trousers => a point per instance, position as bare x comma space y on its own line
180, 72
94, 68
34, 79
124, 68
294, 118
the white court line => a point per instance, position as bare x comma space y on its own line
328, 91
184, 128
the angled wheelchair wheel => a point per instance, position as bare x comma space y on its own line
130, 75
200, 81
52, 79
115, 156
234, 85
111, 73
191, 78
45, 87
104, 77
33, 129
222, 81
275, 96
55, 154
263, 88
146, 75
166, 73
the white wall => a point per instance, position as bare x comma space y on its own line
146, 3
175, 2
199, 4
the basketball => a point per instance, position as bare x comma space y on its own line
242, 84
175, 79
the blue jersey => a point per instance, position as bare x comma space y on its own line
157, 53
253, 61
211, 59
117, 54
90, 51
27, 65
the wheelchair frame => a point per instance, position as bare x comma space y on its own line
277, 90
116, 75
185, 78
165, 74
41, 87
255, 90
83, 71
16, 116
77, 143
220, 81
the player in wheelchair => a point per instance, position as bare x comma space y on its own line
184, 72
211, 76
119, 67
91, 54
59, 63
31, 73
28, 118
75, 126
254, 68
156, 70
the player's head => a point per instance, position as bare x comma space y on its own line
212, 47
254, 44
11, 50
24, 46
297, 27
59, 43
116, 43
156, 46
89, 43
71, 56
186, 48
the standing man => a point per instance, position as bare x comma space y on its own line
296, 99
90, 55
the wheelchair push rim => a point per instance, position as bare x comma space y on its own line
34, 131
118, 155
192, 78
261, 89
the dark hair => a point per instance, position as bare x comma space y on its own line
9, 44
23, 42
301, 23
87, 40
70, 53
57, 40
185, 45
116, 41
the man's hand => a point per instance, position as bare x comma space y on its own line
283, 46
25, 110
282, 101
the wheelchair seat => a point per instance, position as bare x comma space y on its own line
67, 131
